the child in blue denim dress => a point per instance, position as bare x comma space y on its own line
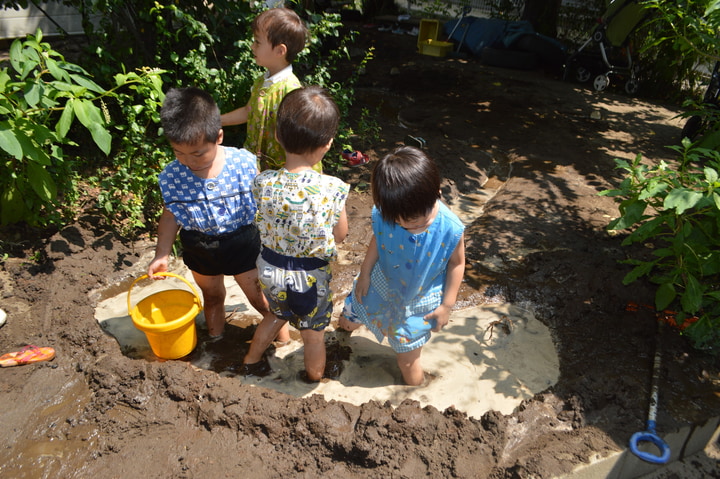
411, 274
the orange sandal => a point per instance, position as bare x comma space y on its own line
28, 354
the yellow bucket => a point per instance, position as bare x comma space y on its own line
168, 319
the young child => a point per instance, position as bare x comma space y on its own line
301, 217
279, 35
207, 197
411, 274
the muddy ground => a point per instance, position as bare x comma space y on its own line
541, 148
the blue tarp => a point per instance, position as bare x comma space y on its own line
476, 33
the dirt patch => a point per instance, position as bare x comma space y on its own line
544, 147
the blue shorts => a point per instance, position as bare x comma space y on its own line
297, 289
412, 333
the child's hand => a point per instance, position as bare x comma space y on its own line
441, 315
361, 287
158, 265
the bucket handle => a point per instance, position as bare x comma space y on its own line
172, 275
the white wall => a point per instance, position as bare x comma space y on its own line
18, 23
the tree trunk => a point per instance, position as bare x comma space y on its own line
543, 15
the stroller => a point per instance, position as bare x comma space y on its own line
611, 36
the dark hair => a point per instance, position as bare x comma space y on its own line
307, 119
405, 184
190, 115
282, 26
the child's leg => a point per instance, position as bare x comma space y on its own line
315, 357
213, 290
264, 334
248, 282
346, 324
348, 320
411, 368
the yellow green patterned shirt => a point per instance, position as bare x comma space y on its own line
265, 98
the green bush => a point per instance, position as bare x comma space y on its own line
674, 209
191, 45
675, 44
41, 96
675, 214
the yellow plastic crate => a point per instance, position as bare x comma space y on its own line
435, 48
428, 43
429, 30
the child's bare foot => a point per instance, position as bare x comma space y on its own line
346, 324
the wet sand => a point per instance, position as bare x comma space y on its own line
489, 357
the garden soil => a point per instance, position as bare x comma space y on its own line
531, 152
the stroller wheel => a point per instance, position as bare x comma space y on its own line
601, 82
632, 86
582, 74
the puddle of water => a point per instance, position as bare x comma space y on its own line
53, 448
475, 364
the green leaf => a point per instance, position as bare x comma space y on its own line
691, 299
12, 207
663, 252
33, 151
102, 138
33, 93
654, 188
710, 141
40, 133
16, 56
58, 73
711, 175
664, 296
611, 193
84, 109
66, 119
87, 83
714, 295
9, 142
641, 270
682, 199
157, 83
41, 182
120, 79
90, 116
713, 7
632, 211
4, 79
647, 230
64, 86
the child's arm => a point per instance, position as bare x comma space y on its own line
363, 280
235, 117
340, 230
167, 231
455, 273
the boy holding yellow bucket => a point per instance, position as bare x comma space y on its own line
208, 200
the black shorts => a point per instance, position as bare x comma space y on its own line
227, 254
